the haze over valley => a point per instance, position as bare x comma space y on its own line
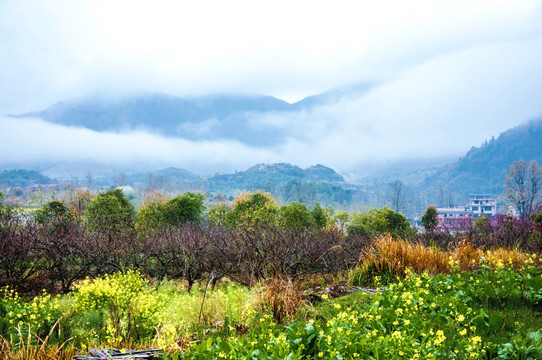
418, 93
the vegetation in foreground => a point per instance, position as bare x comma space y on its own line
491, 311
107, 269
484, 314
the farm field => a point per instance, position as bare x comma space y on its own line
253, 279
491, 311
262, 180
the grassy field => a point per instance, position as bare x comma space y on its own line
430, 304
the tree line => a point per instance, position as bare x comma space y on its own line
248, 240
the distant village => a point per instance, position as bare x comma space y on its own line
479, 205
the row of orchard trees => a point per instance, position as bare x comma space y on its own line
248, 240
111, 211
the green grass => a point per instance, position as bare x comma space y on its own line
484, 314
124, 310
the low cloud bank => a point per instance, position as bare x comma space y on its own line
441, 107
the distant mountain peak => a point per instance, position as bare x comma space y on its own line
219, 116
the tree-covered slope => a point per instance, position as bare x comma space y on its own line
483, 168
201, 118
22, 178
262, 176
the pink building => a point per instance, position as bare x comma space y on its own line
446, 214
479, 205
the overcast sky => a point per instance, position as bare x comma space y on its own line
451, 74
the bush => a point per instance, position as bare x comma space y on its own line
110, 212
296, 216
379, 222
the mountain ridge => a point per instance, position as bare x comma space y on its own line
195, 118
483, 168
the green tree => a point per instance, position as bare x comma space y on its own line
341, 220
382, 221
430, 219
320, 216
221, 215
160, 211
53, 210
296, 216
187, 207
149, 218
255, 209
110, 211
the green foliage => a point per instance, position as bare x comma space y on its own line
296, 216
320, 216
149, 218
221, 215
254, 209
5, 209
187, 207
381, 221
52, 211
341, 219
124, 308
430, 219
487, 313
110, 211
421, 317
37, 315
116, 307
537, 218
184, 208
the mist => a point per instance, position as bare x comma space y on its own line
449, 77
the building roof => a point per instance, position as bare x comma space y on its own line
454, 211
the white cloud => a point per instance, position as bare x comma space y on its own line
453, 74
57, 50
33, 140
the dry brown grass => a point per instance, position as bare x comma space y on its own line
467, 257
283, 296
508, 257
24, 347
396, 256
391, 256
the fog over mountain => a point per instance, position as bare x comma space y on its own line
218, 87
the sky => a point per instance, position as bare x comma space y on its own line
449, 75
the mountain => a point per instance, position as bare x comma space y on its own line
482, 169
169, 179
409, 171
288, 183
202, 118
213, 117
264, 176
334, 95
22, 178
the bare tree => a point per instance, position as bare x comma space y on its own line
522, 186
89, 179
397, 195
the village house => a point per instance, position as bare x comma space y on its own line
479, 205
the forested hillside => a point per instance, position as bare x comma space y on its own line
22, 178
483, 168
